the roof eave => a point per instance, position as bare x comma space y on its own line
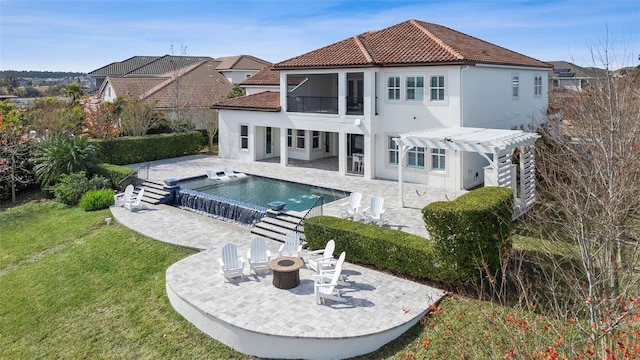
223, 107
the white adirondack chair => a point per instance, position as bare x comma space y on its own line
323, 258
121, 198
291, 246
327, 272
135, 203
231, 265
350, 209
328, 290
258, 256
373, 214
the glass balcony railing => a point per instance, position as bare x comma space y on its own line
355, 105
312, 104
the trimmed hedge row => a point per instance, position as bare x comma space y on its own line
115, 174
369, 244
465, 234
471, 231
137, 149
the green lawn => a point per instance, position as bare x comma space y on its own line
73, 287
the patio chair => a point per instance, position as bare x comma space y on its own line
121, 198
350, 209
231, 265
230, 173
323, 258
327, 272
135, 203
328, 290
258, 256
356, 163
373, 214
217, 175
291, 246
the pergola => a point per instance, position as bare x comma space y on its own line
495, 145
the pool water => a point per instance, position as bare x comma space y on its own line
260, 191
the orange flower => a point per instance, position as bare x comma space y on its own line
425, 342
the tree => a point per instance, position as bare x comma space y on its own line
210, 120
235, 92
63, 155
15, 156
74, 91
100, 121
588, 166
54, 117
137, 116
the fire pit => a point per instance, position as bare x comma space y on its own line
286, 273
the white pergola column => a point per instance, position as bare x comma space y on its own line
342, 153
284, 149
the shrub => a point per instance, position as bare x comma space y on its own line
116, 174
470, 232
137, 149
63, 155
96, 199
72, 186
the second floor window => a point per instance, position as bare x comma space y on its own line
300, 139
415, 88
537, 85
244, 137
392, 150
393, 88
436, 88
515, 86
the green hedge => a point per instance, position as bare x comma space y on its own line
470, 232
96, 200
116, 174
137, 149
386, 249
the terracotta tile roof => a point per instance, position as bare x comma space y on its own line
263, 101
241, 62
268, 76
409, 43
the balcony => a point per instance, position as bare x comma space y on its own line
355, 105
312, 104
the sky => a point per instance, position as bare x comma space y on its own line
85, 35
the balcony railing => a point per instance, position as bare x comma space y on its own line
312, 104
355, 105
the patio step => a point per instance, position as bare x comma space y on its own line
155, 192
276, 225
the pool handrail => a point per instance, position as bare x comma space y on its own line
310, 213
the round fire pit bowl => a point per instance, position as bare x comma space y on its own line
286, 274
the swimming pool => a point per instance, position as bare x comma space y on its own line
259, 191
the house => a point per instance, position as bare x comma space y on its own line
356, 99
568, 76
175, 84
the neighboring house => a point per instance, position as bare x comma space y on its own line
566, 75
240, 67
358, 97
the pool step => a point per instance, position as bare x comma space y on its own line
277, 225
155, 192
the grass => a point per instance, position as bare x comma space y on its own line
73, 287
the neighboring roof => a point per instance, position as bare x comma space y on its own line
133, 86
268, 76
409, 43
147, 65
241, 62
567, 70
262, 101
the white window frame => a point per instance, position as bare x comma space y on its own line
397, 89
244, 139
515, 86
439, 88
415, 156
300, 139
315, 139
393, 151
418, 91
537, 85
438, 159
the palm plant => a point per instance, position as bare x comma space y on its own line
63, 155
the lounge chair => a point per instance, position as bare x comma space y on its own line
121, 198
291, 246
350, 209
231, 265
230, 173
373, 214
319, 259
217, 175
135, 203
324, 289
258, 256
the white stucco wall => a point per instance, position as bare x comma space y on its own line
237, 76
108, 94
